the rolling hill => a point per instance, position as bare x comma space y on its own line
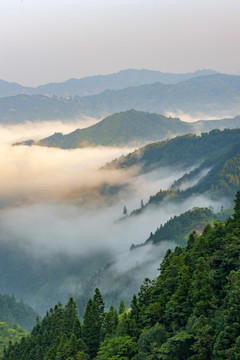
128, 128
133, 128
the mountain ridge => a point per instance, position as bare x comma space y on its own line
209, 96
133, 128
91, 85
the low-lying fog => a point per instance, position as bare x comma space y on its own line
55, 201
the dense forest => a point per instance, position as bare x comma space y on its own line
8, 333
186, 150
190, 311
16, 312
178, 228
217, 177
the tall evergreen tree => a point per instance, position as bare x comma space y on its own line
93, 319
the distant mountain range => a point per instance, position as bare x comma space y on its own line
132, 128
212, 95
93, 85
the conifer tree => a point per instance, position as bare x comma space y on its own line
93, 319
121, 307
236, 215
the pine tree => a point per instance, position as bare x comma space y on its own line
121, 307
110, 323
93, 319
236, 215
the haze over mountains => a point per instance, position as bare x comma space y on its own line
215, 158
186, 171
62, 226
92, 85
200, 97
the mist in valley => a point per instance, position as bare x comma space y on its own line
61, 212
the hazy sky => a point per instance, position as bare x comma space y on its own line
52, 40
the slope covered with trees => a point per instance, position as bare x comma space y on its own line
130, 127
178, 228
182, 151
215, 157
16, 312
190, 311
10, 333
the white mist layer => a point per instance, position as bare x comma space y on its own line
189, 118
38, 130
60, 201
59, 204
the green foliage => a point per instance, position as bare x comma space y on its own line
121, 347
110, 322
9, 333
150, 341
129, 127
92, 324
187, 150
16, 312
217, 175
121, 307
55, 337
177, 229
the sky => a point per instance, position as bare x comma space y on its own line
45, 41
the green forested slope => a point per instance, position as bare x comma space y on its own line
16, 312
215, 156
220, 183
191, 311
178, 228
9, 333
130, 127
186, 150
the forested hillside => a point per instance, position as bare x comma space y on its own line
10, 333
186, 150
16, 312
215, 157
132, 128
190, 311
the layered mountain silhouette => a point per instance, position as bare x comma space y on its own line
205, 96
92, 85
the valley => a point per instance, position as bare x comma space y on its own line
101, 206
